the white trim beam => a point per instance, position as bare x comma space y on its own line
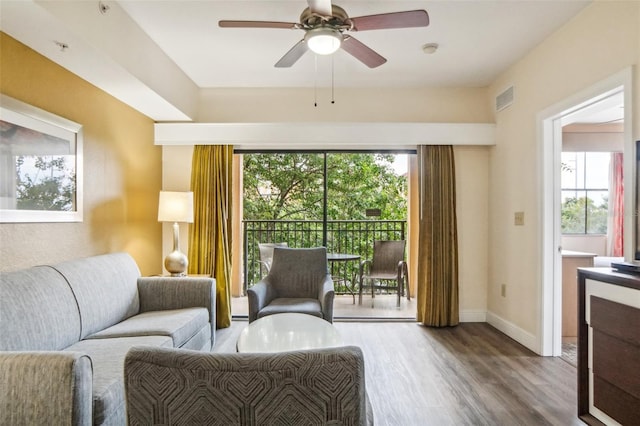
324, 135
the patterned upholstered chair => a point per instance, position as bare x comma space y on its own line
298, 281
181, 387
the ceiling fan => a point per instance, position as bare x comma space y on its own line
327, 28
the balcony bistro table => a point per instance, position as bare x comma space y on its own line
288, 332
339, 272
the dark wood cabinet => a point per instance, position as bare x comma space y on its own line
608, 347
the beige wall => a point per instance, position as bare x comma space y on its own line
122, 169
601, 41
596, 244
446, 105
472, 189
592, 141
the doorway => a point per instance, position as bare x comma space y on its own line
342, 200
602, 98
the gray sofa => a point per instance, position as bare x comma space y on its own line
65, 330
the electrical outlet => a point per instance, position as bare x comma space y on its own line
503, 290
518, 218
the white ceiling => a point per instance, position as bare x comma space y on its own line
157, 55
478, 40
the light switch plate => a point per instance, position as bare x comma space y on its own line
519, 218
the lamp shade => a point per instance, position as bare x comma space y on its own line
175, 207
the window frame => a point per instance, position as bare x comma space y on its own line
584, 189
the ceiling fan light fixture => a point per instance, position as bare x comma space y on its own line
323, 41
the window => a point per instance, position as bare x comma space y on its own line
585, 192
338, 199
41, 157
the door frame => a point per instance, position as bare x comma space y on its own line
549, 125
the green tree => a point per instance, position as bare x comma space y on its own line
290, 186
49, 186
357, 182
282, 186
577, 210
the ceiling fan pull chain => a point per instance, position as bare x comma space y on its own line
333, 99
315, 81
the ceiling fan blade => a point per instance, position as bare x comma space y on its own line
408, 19
256, 24
292, 56
361, 52
321, 7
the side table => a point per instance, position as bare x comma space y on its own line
340, 273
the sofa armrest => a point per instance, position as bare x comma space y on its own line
326, 296
45, 388
164, 293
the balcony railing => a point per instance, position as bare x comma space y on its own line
342, 236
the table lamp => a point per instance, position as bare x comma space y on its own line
176, 207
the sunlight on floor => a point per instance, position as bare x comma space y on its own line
384, 306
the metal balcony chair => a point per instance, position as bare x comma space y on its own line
387, 270
266, 256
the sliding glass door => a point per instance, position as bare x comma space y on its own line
341, 200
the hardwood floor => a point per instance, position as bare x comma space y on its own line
471, 374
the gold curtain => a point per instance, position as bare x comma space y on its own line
210, 233
438, 246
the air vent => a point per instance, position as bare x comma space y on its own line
504, 99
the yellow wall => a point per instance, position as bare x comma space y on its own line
122, 169
599, 42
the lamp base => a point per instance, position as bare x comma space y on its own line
176, 263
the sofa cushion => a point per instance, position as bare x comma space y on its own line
179, 324
284, 304
107, 357
38, 311
106, 288
201, 341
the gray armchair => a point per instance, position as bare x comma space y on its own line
298, 281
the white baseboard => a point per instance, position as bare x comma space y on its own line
473, 316
516, 333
